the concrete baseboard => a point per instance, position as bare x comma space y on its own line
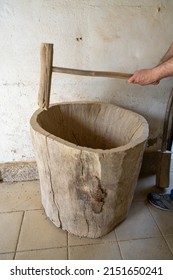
18, 171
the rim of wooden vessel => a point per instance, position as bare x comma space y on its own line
144, 135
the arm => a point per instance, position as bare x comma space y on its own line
154, 75
168, 54
165, 69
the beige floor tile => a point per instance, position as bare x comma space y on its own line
10, 224
164, 219
40, 239
107, 251
169, 239
74, 240
7, 256
147, 184
38, 232
20, 196
139, 224
145, 249
48, 254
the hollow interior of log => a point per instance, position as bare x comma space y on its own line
91, 125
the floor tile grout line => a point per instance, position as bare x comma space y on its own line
42, 209
139, 238
20, 210
68, 240
37, 249
160, 230
147, 204
12, 211
4, 253
93, 244
19, 235
168, 245
118, 245
82, 245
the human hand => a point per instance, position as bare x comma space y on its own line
144, 77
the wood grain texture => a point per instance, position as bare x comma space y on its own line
163, 169
46, 58
91, 73
89, 157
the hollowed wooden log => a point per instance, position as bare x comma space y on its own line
89, 156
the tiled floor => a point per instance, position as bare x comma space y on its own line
26, 232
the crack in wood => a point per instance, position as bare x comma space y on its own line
89, 188
51, 185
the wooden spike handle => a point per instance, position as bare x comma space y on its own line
46, 57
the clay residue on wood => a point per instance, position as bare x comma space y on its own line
89, 188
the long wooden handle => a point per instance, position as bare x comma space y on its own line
46, 57
91, 73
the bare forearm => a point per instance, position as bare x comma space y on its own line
168, 55
165, 69
154, 75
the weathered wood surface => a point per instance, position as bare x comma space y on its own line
91, 73
46, 59
163, 169
164, 155
89, 156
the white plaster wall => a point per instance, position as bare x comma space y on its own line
116, 35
